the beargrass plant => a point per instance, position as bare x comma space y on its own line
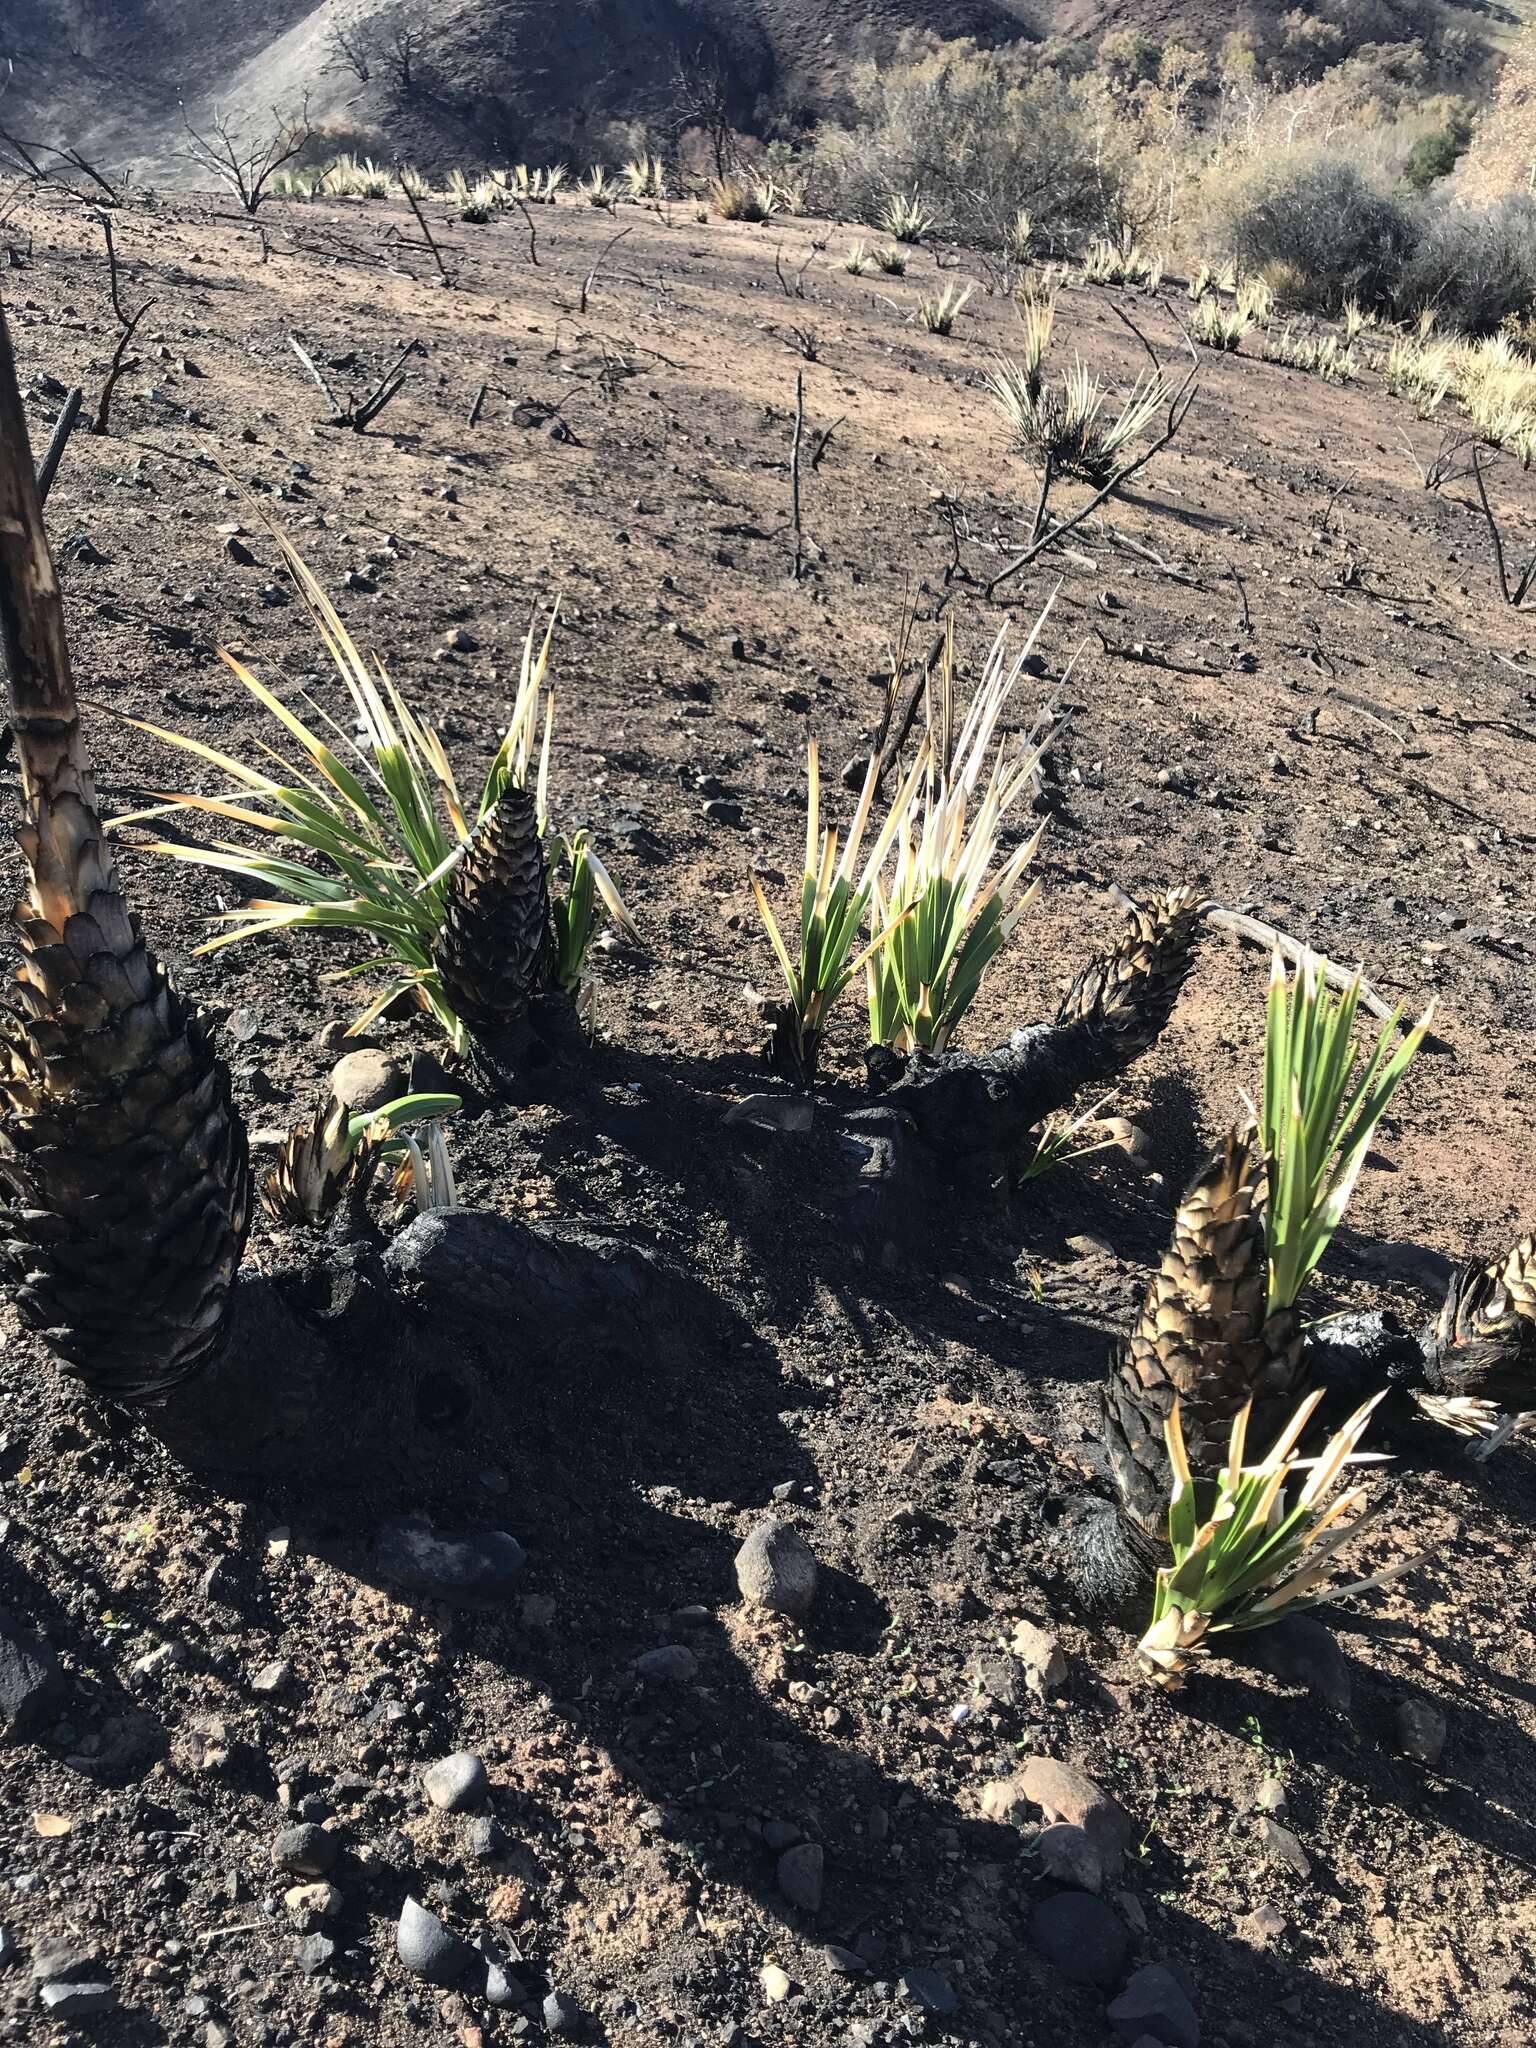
1323, 1097
858, 260
907, 216
336, 1150
892, 261
939, 312
1251, 1545
836, 891
599, 188
952, 904
645, 177
1217, 326
1064, 424
368, 830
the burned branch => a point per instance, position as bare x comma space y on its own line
243, 162
358, 413
1514, 594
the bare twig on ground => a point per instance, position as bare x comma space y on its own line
794, 475
1513, 595
358, 414
63, 427
1273, 940
602, 256
102, 422
824, 440
533, 236
475, 409
426, 233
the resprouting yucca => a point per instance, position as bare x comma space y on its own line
372, 835
1252, 1543
1064, 424
950, 905
939, 313
907, 216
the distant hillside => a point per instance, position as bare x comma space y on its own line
446, 78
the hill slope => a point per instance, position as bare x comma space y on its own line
450, 78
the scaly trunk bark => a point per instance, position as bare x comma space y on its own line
124, 1184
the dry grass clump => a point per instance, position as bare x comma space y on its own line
939, 312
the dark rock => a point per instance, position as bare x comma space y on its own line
465, 1567
778, 1834
927, 1988
457, 1783
1155, 2003
502, 1988
238, 552
7, 1948
487, 1839
1085, 1939
1299, 1651
77, 2001
1281, 1846
427, 1948
844, 1961
800, 1876
1069, 1854
1421, 1730
562, 2015
31, 1683
306, 1850
313, 1953
775, 1568
672, 1664
721, 810
57, 1959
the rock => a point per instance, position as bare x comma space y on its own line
366, 1080
800, 1876
1421, 1730
306, 1850
487, 1839
1045, 1666
320, 1898
1270, 1797
163, 1657
672, 1664
1282, 1847
775, 1982
1069, 1854
427, 1948
460, 640
465, 1567
314, 1953
929, 1989
31, 1683
1063, 1793
78, 2001
1082, 1937
562, 2015
775, 1569
7, 1948
845, 1961
457, 1783
778, 1834
502, 1988
1264, 1926
1155, 2003
721, 810
56, 1958
1299, 1651
238, 552
271, 1678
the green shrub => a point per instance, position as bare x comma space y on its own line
1321, 218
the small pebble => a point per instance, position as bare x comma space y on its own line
457, 1783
